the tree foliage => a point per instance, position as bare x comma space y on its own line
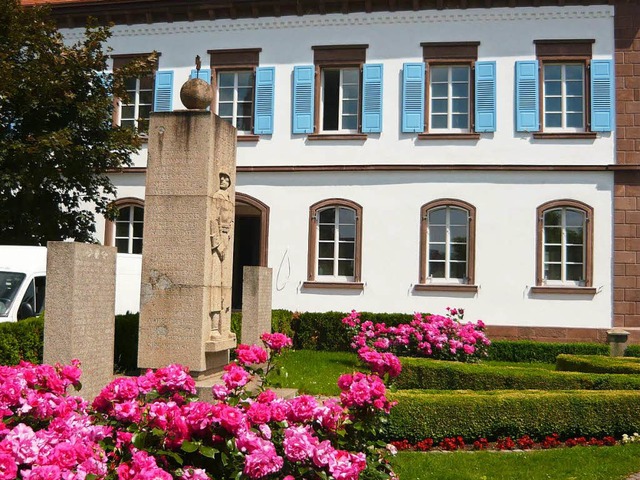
57, 141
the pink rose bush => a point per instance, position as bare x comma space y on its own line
152, 427
436, 336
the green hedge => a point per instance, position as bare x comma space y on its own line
325, 331
471, 415
21, 340
598, 364
441, 375
125, 352
542, 352
632, 351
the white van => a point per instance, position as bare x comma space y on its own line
23, 282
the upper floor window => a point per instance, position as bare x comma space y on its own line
564, 97
235, 99
564, 92
564, 244
450, 94
335, 241
244, 92
340, 100
126, 231
447, 242
460, 92
133, 112
339, 95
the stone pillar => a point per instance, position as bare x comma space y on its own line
80, 311
617, 338
187, 261
256, 303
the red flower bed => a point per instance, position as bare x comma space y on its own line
503, 443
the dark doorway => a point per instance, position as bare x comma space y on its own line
251, 239
246, 251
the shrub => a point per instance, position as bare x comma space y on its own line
125, 352
21, 340
324, 331
433, 336
632, 351
495, 414
152, 427
543, 352
440, 375
598, 364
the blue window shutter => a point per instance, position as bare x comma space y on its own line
203, 74
372, 98
413, 97
303, 93
485, 114
602, 96
527, 96
163, 95
263, 109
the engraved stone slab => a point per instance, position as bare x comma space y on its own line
256, 303
80, 313
187, 262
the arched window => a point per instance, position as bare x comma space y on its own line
125, 232
335, 241
447, 241
564, 245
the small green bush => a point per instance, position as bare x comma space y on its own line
598, 364
125, 352
441, 375
529, 351
632, 351
21, 340
471, 415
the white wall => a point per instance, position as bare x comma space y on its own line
505, 201
506, 205
505, 35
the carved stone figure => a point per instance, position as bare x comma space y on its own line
221, 231
222, 224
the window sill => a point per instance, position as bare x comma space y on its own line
564, 290
565, 135
336, 136
449, 136
248, 138
445, 287
335, 285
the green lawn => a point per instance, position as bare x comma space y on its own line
578, 463
316, 373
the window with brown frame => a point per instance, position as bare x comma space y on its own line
133, 112
447, 246
564, 248
126, 231
335, 244
233, 80
338, 90
449, 95
564, 87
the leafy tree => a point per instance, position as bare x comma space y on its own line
57, 141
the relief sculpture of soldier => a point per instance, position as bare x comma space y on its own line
221, 231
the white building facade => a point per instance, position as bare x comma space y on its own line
406, 161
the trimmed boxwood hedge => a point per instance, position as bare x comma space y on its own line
21, 340
436, 415
598, 364
441, 375
542, 352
